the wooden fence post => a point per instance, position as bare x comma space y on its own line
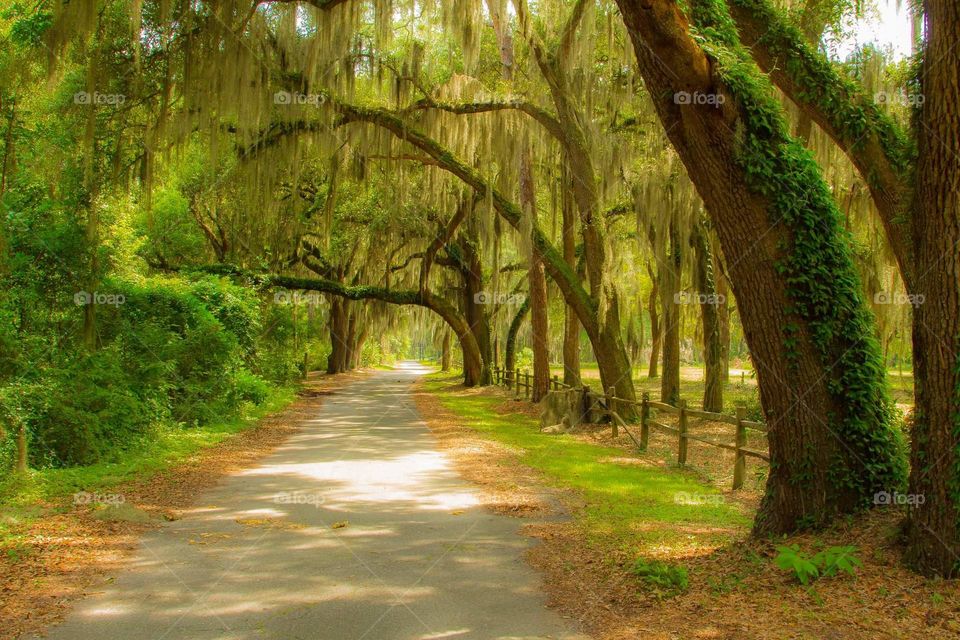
740, 465
644, 416
612, 408
516, 381
556, 382
682, 450
585, 404
527, 393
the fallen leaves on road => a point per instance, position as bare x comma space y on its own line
270, 523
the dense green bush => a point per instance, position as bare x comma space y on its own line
170, 350
85, 410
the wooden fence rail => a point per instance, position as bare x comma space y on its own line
611, 405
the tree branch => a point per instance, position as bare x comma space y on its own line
875, 144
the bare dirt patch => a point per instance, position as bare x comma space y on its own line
67, 554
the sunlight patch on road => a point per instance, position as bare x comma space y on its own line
399, 479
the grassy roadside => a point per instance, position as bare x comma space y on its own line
651, 552
23, 499
630, 507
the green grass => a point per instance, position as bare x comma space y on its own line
23, 498
627, 508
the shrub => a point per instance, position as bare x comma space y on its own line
249, 387
828, 562
84, 411
664, 578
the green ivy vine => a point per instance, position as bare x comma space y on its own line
822, 282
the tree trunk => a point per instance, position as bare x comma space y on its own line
445, 352
8, 165
474, 304
510, 349
670, 274
933, 538
539, 328
357, 351
22, 456
335, 326
538, 285
710, 318
723, 308
351, 354
656, 332
811, 338
571, 325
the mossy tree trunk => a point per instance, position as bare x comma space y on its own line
474, 303
537, 279
832, 439
709, 302
723, 308
338, 327
445, 352
510, 348
918, 205
656, 329
670, 274
571, 325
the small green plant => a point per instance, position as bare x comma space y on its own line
666, 579
725, 584
828, 562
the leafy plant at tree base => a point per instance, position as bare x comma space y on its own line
666, 579
828, 562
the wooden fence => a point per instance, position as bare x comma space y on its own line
521, 380
611, 406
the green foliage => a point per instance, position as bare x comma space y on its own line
172, 236
665, 578
29, 28
792, 559
826, 563
853, 114
524, 358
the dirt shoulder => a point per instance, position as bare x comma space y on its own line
735, 590
70, 554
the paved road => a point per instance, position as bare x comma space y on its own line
259, 556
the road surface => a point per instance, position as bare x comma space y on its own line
357, 527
